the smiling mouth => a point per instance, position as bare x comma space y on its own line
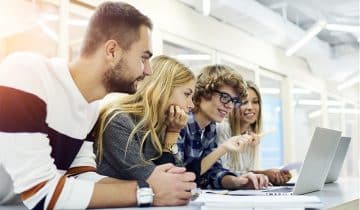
250, 114
222, 112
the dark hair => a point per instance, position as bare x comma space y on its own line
213, 77
113, 20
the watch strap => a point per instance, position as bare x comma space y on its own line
142, 183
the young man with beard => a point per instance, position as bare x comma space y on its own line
48, 107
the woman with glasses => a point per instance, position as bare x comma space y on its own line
246, 120
218, 90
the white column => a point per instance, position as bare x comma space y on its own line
324, 108
157, 42
257, 76
288, 120
63, 44
3, 48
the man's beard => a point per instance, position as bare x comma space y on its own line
115, 79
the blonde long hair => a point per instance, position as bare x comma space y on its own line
255, 127
149, 103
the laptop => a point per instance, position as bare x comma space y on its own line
314, 170
338, 161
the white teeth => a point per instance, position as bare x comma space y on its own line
223, 112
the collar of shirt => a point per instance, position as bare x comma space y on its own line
195, 128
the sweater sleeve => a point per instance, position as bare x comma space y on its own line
123, 158
25, 151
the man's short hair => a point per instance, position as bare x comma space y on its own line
213, 77
113, 20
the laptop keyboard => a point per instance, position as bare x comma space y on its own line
280, 189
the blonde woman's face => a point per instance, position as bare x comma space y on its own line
249, 109
182, 96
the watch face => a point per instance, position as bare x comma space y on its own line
174, 149
144, 196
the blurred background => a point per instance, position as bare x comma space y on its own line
304, 55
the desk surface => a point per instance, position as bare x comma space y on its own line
345, 190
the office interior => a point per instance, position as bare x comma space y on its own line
304, 56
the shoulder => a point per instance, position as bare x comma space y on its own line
118, 117
24, 61
223, 131
224, 126
25, 71
120, 122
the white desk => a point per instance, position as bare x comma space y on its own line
344, 194
341, 195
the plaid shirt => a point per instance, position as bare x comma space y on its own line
195, 144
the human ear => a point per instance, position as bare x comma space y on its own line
113, 51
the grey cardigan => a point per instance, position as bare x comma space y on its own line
119, 161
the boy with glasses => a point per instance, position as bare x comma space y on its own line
218, 90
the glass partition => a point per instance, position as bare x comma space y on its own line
246, 73
307, 116
271, 149
190, 57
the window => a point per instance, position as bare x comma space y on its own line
194, 59
271, 149
307, 116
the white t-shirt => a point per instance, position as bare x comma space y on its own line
44, 121
242, 162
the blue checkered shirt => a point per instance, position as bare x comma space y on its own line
195, 144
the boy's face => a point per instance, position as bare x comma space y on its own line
214, 110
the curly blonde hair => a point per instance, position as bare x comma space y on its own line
212, 78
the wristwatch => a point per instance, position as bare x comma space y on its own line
173, 148
144, 194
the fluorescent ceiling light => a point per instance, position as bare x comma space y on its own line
72, 21
343, 111
294, 103
309, 102
345, 28
315, 114
206, 7
48, 31
273, 91
78, 22
277, 109
348, 83
193, 57
313, 31
301, 91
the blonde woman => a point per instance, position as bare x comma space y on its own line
132, 129
246, 121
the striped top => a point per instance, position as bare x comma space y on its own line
44, 122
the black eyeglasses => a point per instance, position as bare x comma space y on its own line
225, 98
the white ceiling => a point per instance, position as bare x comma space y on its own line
281, 23
331, 55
